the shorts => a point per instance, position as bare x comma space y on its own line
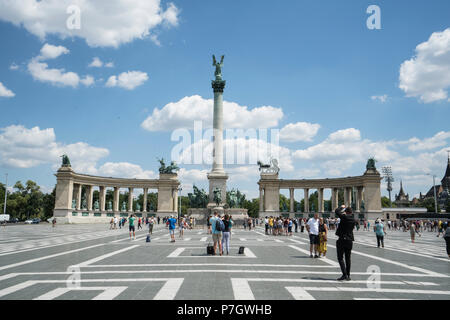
314, 239
131, 228
217, 237
171, 231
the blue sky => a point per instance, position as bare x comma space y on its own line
315, 63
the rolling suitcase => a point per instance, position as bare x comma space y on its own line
241, 250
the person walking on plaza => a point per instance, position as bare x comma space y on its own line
447, 240
208, 224
151, 222
412, 231
115, 222
266, 225
181, 227
54, 222
344, 244
302, 225
217, 232
380, 231
131, 226
171, 224
226, 234
111, 224
323, 238
296, 225
312, 226
139, 224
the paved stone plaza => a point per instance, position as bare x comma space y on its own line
34, 262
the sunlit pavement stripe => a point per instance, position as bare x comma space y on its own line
248, 253
326, 260
48, 257
203, 239
241, 289
169, 289
299, 293
167, 292
176, 252
90, 261
395, 282
207, 264
381, 290
108, 293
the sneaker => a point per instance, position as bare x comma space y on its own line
310, 255
342, 278
316, 256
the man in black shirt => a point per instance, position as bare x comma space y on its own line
344, 244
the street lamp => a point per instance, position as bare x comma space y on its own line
434, 187
387, 173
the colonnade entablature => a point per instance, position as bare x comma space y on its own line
73, 206
361, 191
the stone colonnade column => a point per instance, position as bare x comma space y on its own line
175, 199
291, 199
334, 198
102, 198
145, 200
306, 200
320, 200
261, 199
359, 194
89, 197
130, 199
116, 199
78, 190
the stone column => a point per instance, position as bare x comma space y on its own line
291, 200
102, 198
130, 199
348, 196
175, 200
64, 193
78, 189
116, 199
334, 198
217, 177
145, 200
358, 199
261, 200
320, 200
89, 197
306, 200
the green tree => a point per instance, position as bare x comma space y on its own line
252, 206
48, 204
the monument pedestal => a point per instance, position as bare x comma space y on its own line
217, 180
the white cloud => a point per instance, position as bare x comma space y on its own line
350, 134
127, 80
103, 24
97, 63
183, 113
300, 131
125, 170
438, 140
382, 98
342, 149
21, 147
59, 77
239, 151
427, 74
49, 51
13, 66
5, 92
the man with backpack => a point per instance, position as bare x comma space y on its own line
217, 226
